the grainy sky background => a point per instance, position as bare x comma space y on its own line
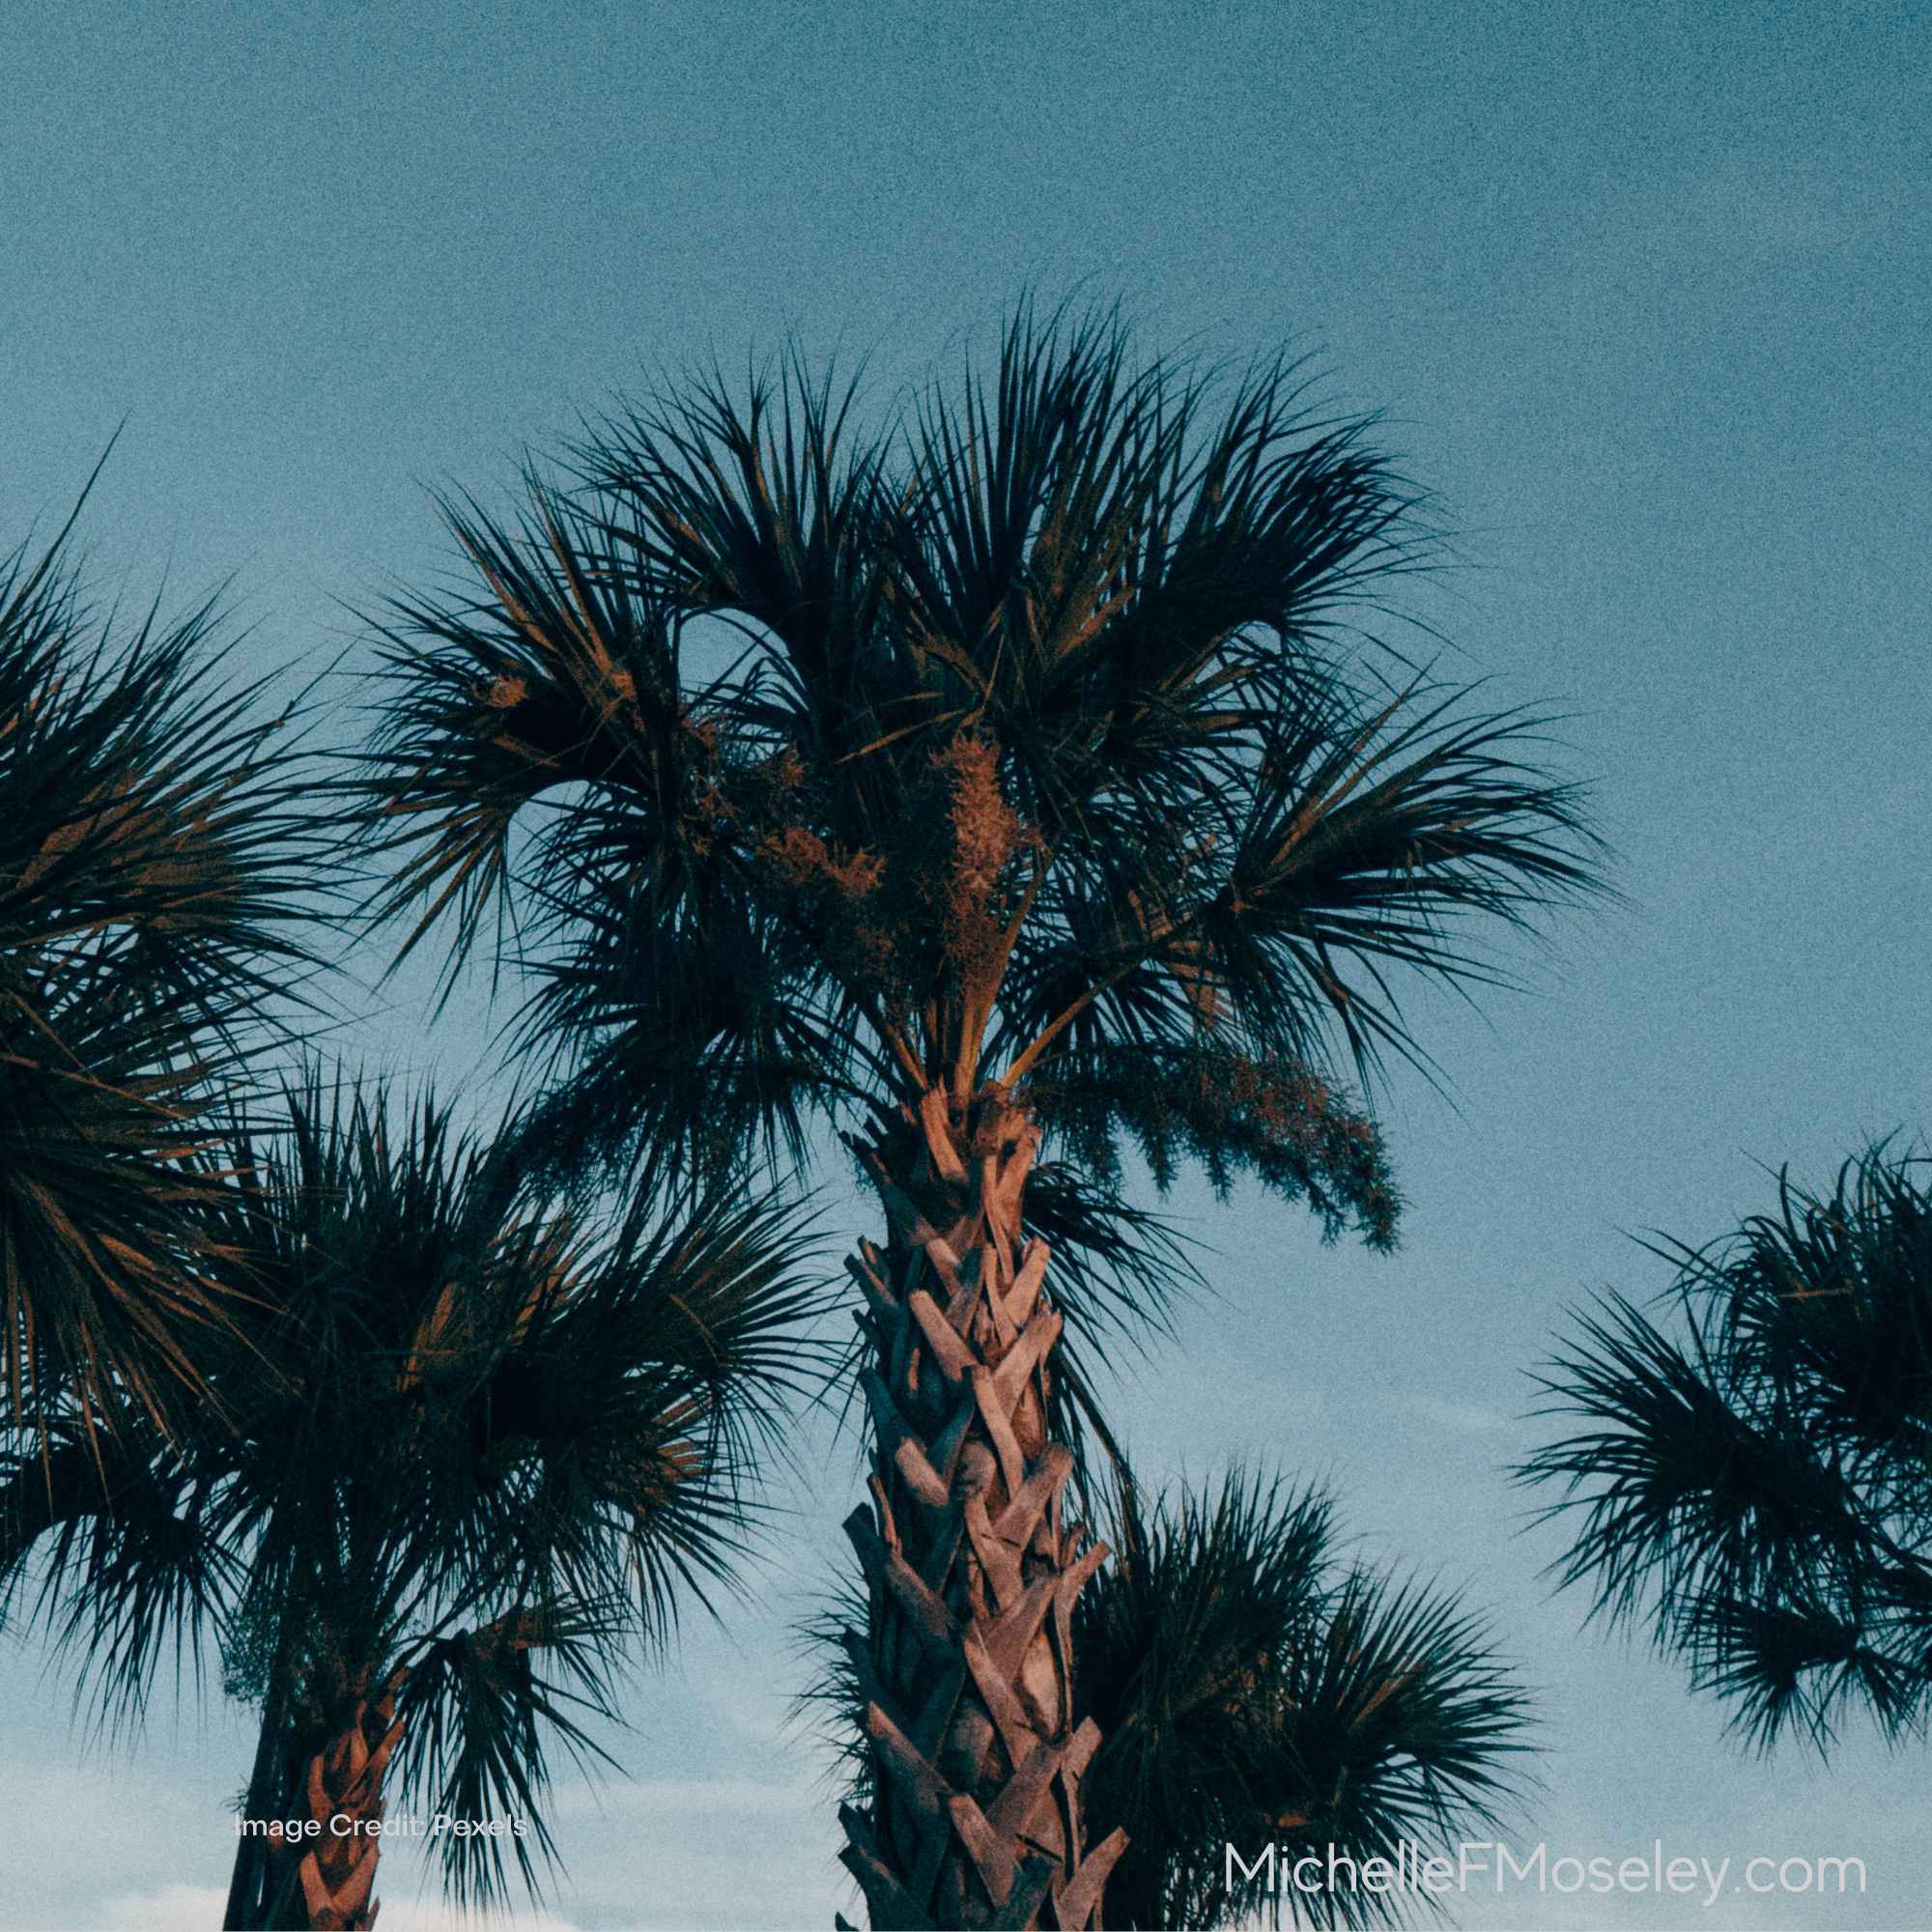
1643, 291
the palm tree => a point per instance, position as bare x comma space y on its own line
467, 1449
1753, 1479
1254, 1689
155, 874
1006, 774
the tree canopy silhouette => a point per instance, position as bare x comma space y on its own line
1016, 773
1750, 1478
160, 876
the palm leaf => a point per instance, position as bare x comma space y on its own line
462, 1441
1255, 1689
1752, 1480
159, 873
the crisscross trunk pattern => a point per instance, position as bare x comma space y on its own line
332, 1886
966, 1670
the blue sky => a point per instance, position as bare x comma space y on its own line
1641, 290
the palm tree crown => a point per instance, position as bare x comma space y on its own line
1255, 1689
457, 1438
1002, 776
1042, 767
155, 871
1754, 1479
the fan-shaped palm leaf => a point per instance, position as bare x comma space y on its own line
470, 1448
156, 870
1256, 1689
1042, 788
1754, 1479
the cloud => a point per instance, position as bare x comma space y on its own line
195, 1908
1460, 1418
708, 1798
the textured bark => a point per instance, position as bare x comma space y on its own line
327, 1883
966, 1670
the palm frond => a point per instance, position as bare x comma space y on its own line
554, 678
763, 510
132, 1574
160, 876
1253, 1688
1755, 1487
462, 1440
478, 1712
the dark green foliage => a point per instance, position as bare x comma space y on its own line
1754, 1479
1255, 1687
459, 1436
1035, 748
156, 872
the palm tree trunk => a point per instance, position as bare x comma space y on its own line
265, 1801
326, 1882
967, 1666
